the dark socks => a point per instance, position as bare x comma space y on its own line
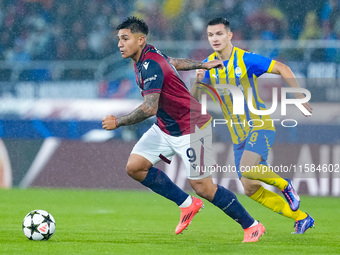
228, 203
160, 183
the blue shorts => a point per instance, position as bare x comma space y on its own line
259, 141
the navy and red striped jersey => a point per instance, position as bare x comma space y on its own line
178, 111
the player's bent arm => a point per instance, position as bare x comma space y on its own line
288, 75
148, 108
183, 64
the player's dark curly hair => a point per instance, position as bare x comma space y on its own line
217, 21
135, 24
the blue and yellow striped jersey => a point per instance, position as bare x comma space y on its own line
241, 70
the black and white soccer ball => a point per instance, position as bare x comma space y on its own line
38, 225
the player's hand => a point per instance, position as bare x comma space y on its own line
306, 105
109, 122
200, 73
213, 64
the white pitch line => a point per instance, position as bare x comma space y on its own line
46, 151
6, 165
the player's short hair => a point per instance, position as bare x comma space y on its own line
135, 24
217, 21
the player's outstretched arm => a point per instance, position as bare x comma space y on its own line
288, 75
183, 64
147, 109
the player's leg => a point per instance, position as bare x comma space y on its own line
251, 168
253, 165
263, 173
276, 203
199, 153
246, 159
229, 204
191, 205
144, 155
269, 199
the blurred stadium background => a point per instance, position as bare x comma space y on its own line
61, 73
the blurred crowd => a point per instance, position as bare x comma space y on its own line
84, 29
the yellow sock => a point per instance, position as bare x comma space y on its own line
277, 204
266, 175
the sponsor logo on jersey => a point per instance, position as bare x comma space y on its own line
150, 79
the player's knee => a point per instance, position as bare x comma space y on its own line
250, 190
204, 191
135, 171
137, 167
131, 169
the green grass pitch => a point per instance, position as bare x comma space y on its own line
141, 222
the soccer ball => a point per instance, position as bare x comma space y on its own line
38, 225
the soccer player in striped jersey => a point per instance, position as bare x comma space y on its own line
180, 129
253, 141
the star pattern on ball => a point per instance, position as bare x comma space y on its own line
38, 225
33, 228
47, 219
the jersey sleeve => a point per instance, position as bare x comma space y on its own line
152, 76
258, 64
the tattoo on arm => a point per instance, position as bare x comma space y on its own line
147, 109
186, 64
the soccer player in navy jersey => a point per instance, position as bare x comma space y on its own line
180, 129
251, 142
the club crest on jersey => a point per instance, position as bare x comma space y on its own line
238, 71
